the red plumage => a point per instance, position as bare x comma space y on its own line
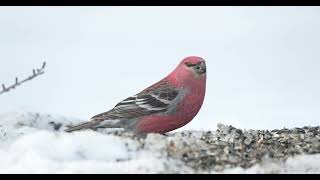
165, 106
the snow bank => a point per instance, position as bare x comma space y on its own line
36, 143
30, 143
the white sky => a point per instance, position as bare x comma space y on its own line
263, 62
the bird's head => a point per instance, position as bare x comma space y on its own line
191, 69
193, 65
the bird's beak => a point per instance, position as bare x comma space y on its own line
203, 68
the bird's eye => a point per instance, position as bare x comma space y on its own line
189, 64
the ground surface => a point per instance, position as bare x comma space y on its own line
36, 143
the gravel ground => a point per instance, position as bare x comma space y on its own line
229, 147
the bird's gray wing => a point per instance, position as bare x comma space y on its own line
144, 103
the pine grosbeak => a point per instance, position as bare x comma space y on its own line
165, 106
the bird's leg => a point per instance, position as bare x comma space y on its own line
164, 134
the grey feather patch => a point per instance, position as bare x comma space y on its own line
107, 123
158, 100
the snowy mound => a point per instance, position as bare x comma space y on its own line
36, 143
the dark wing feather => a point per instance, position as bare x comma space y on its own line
155, 99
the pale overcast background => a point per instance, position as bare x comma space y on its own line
263, 62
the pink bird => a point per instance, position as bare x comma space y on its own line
165, 106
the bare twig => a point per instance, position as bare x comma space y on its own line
35, 73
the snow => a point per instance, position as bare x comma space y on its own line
302, 164
29, 143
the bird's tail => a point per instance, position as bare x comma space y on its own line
87, 125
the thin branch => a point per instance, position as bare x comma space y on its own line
17, 82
